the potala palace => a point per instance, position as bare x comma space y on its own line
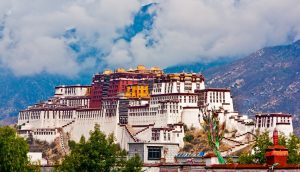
145, 109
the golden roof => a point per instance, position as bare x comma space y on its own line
187, 74
107, 71
141, 67
155, 68
120, 70
130, 70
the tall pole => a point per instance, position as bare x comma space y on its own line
214, 129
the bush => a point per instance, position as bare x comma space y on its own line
246, 158
229, 160
134, 164
188, 138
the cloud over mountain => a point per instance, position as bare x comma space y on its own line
123, 33
33, 38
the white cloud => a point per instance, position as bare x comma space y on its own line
42, 54
197, 30
119, 55
32, 38
184, 31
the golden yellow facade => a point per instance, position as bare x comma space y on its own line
137, 91
88, 91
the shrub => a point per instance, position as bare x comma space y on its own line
188, 138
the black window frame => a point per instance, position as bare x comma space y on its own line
154, 152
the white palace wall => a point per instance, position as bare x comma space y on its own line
87, 120
76, 90
190, 117
269, 121
123, 137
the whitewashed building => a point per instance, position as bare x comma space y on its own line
269, 121
138, 124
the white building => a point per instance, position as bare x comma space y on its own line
150, 122
35, 158
270, 121
154, 152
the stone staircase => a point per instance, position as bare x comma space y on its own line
141, 130
68, 124
63, 140
130, 130
231, 142
237, 143
235, 148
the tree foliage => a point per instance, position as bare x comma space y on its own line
13, 152
257, 156
292, 144
263, 142
293, 148
99, 153
246, 158
282, 139
134, 164
188, 137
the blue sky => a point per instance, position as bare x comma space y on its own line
74, 36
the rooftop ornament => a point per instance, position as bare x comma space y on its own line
276, 154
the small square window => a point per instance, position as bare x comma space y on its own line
154, 153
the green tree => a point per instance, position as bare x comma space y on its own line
13, 152
99, 153
292, 145
246, 158
188, 137
134, 164
282, 139
262, 142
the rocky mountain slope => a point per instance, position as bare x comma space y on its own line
19, 92
265, 81
197, 67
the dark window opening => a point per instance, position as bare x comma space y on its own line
154, 153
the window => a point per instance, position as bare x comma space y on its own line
155, 135
154, 153
268, 121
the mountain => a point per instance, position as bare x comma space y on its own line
19, 92
265, 81
197, 67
